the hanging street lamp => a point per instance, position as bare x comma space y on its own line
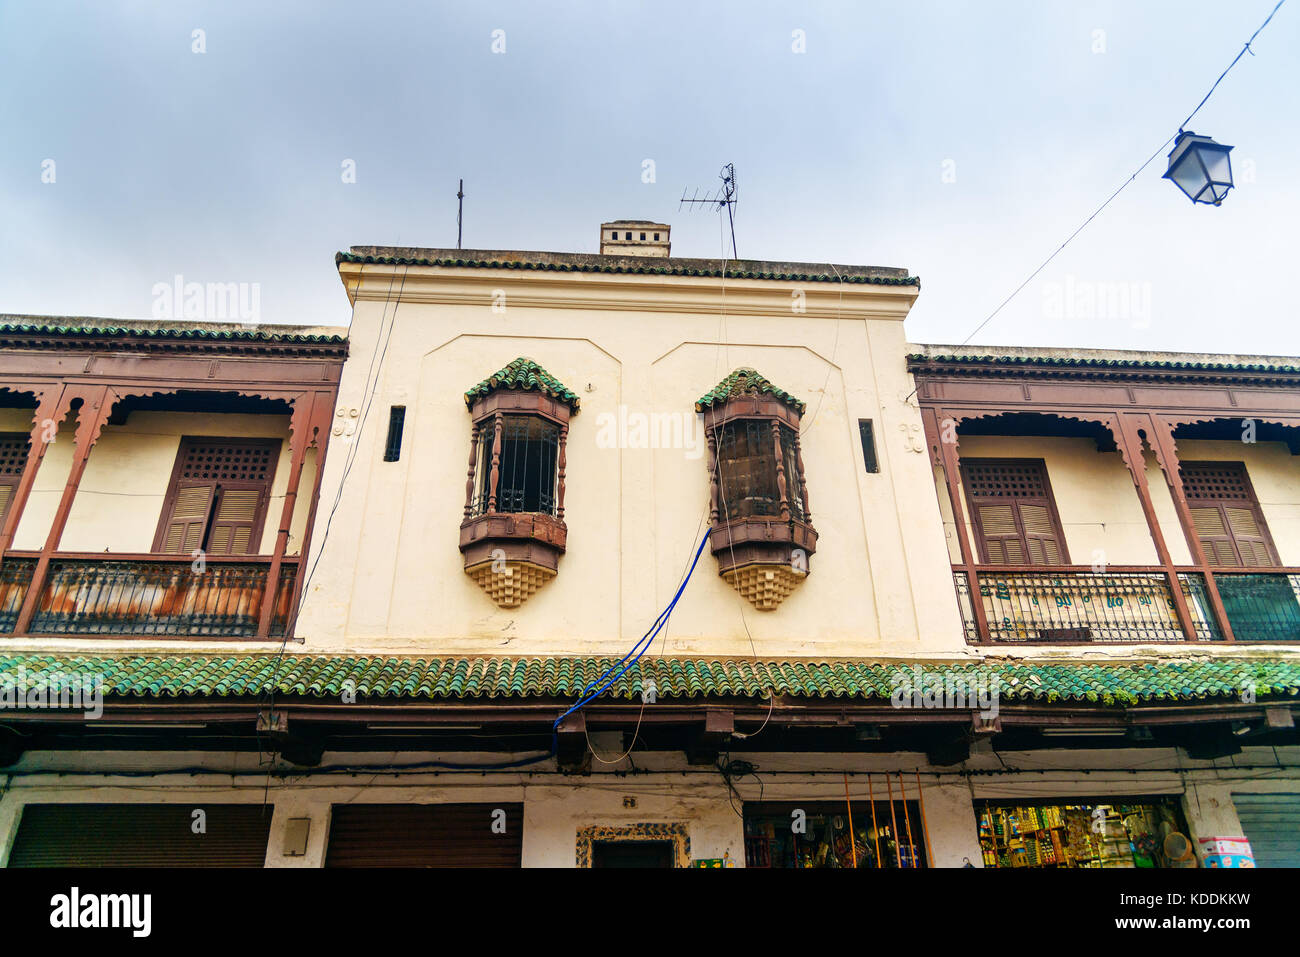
1200, 168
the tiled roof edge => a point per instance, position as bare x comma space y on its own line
1098, 363
161, 676
253, 335
342, 257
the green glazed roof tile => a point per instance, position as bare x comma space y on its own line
233, 334
325, 676
742, 269
745, 382
1102, 363
524, 374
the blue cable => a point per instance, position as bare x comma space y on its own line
616, 671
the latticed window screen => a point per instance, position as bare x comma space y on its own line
747, 470
1226, 515
1013, 513
527, 468
13, 456
217, 503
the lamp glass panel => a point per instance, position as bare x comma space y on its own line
1189, 175
1216, 162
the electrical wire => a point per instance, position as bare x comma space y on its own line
370, 389
597, 686
725, 346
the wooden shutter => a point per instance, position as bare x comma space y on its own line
1013, 512
1226, 515
13, 459
218, 496
425, 835
141, 835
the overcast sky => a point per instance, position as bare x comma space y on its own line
964, 141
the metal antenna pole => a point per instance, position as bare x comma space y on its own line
460, 209
724, 197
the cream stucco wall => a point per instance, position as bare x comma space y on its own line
1095, 498
1098, 504
392, 577
120, 498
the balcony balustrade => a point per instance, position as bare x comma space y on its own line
146, 595
1072, 604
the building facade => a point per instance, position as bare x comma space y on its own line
625, 559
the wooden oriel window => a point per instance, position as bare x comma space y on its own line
218, 496
1227, 516
13, 457
1013, 512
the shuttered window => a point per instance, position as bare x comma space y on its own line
426, 835
13, 456
142, 835
1013, 512
1226, 515
218, 496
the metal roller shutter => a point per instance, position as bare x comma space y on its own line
424, 835
141, 835
1271, 823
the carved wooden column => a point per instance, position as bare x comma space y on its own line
944, 454
50, 408
320, 432
302, 427
1161, 434
713, 477
474, 434
559, 479
494, 476
781, 490
1125, 428
97, 405
803, 480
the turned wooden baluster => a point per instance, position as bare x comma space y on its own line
713, 477
496, 463
469, 478
803, 481
780, 473
559, 485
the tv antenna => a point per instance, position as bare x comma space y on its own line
460, 209
724, 197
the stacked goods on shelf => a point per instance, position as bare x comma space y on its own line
1116, 851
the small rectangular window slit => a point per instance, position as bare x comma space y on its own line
868, 445
396, 419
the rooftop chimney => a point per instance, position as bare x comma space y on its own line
634, 237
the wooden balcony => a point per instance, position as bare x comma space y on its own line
144, 595
1070, 604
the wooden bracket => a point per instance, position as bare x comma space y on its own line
572, 754
708, 741
1278, 716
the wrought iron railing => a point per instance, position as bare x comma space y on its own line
15, 579
1261, 606
1080, 605
143, 595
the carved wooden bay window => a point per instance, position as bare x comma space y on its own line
762, 533
513, 532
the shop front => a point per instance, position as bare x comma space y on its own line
1102, 832
879, 834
